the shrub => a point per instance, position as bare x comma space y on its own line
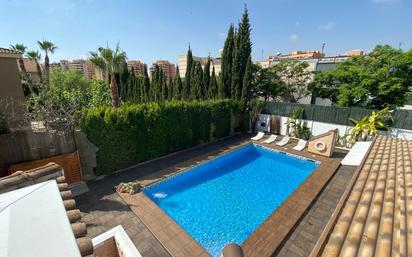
138, 132
369, 125
128, 188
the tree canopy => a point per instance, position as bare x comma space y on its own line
377, 80
293, 78
110, 61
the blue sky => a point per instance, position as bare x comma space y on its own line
162, 29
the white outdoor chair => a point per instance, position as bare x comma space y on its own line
271, 139
300, 145
284, 141
258, 136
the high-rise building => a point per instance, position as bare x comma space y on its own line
84, 66
169, 69
79, 65
137, 67
215, 62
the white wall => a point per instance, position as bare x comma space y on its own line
318, 128
403, 134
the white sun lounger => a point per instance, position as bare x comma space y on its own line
300, 145
271, 139
258, 136
284, 141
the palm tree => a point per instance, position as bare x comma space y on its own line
110, 61
47, 47
21, 49
36, 56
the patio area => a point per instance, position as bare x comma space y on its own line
103, 209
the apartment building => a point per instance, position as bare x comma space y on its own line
215, 62
316, 61
80, 65
297, 55
137, 67
169, 69
84, 66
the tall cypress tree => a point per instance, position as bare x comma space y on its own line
142, 89
247, 85
212, 92
199, 71
145, 85
127, 95
130, 89
177, 90
155, 85
163, 86
123, 81
236, 77
136, 89
227, 59
244, 49
206, 79
189, 70
196, 81
171, 88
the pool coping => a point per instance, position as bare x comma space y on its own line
266, 238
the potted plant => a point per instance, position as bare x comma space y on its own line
368, 126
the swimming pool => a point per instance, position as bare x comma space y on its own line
225, 199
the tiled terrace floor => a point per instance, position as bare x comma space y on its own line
307, 232
103, 209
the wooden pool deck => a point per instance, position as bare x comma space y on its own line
268, 239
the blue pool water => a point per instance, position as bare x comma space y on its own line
224, 200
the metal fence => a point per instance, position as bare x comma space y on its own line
333, 114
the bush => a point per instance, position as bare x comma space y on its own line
138, 132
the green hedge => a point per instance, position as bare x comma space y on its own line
333, 114
135, 133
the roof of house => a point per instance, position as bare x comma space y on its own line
42, 195
7, 51
375, 218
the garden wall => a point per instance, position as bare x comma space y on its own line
335, 115
321, 119
27, 145
135, 133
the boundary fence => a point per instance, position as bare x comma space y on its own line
333, 114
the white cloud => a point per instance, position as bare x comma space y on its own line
327, 26
294, 37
